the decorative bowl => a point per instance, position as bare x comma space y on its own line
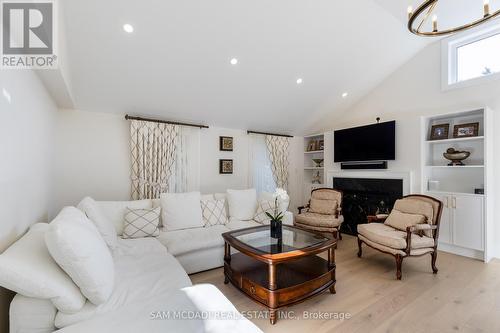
456, 157
318, 162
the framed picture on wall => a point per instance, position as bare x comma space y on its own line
225, 167
440, 132
466, 130
226, 143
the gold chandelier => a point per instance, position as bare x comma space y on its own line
418, 18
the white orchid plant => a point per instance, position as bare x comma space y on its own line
277, 215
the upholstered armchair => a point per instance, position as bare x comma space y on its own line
323, 213
411, 230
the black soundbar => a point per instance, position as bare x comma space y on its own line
363, 165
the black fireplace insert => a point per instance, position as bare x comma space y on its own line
366, 196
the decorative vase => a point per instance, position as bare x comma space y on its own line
456, 157
276, 229
317, 162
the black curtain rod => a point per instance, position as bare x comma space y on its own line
164, 121
273, 134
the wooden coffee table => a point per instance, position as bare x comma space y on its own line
279, 272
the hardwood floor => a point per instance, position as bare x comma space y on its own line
463, 297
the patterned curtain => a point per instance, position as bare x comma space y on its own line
153, 148
278, 153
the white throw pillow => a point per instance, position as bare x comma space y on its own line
140, 223
214, 212
242, 204
114, 211
283, 198
181, 210
265, 206
108, 232
76, 245
27, 268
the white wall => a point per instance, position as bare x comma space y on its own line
27, 116
93, 158
92, 153
26, 140
415, 90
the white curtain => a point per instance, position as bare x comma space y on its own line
278, 154
186, 170
153, 149
261, 174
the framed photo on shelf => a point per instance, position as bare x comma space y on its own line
311, 146
226, 143
466, 130
225, 167
440, 132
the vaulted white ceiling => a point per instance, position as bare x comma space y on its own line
175, 65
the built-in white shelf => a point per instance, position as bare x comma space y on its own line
313, 168
454, 140
314, 152
467, 217
455, 166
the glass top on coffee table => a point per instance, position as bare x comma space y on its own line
259, 238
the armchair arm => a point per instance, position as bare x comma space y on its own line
375, 218
418, 229
301, 208
422, 227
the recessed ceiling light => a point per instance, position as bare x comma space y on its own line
299, 81
344, 95
128, 28
234, 61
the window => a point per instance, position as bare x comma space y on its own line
471, 58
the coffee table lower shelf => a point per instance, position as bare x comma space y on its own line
295, 280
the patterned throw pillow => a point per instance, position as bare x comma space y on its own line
214, 212
141, 223
264, 206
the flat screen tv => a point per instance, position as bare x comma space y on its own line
366, 143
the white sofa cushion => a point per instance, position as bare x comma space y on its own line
242, 204
105, 226
181, 210
189, 240
214, 212
31, 315
238, 224
27, 268
76, 245
141, 223
114, 211
144, 271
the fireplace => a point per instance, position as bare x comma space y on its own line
366, 196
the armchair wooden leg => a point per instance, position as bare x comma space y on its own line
433, 262
360, 250
399, 263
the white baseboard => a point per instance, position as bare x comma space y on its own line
475, 254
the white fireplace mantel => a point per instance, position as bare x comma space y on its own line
406, 176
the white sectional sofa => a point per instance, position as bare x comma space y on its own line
197, 249
150, 279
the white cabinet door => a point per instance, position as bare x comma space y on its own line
468, 221
445, 225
